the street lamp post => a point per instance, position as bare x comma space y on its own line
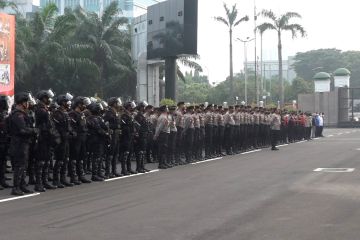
245, 64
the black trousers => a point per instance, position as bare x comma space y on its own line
162, 144
113, 153
229, 138
274, 137
171, 147
208, 139
188, 143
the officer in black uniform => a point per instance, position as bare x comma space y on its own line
78, 143
127, 138
4, 139
48, 138
113, 120
141, 138
98, 135
63, 125
21, 134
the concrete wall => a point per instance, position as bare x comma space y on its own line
327, 103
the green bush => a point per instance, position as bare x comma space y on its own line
167, 102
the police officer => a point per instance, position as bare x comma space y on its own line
21, 134
179, 120
208, 131
4, 139
96, 139
189, 130
78, 143
48, 137
127, 138
172, 137
113, 119
161, 136
63, 126
275, 127
141, 138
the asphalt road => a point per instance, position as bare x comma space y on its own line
257, 196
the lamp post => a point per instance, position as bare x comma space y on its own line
245, 63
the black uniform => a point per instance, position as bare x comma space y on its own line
113, 120
96, 142
127, 139
21, 133
48, 138
63, 126
141, 139
78, 147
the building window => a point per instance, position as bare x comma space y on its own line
150, 22
162, 19
180, 14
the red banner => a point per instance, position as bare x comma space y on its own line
7, 54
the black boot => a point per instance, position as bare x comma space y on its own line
64, 181
16, 188
123, 169
45, 182
56, 181
74, 180
84, 180
129, 170
39, 187
23, 182
96, 178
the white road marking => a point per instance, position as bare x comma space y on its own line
129, 176
20, 197
335, 170
254, 151
284, 145
316, 138
301, 142
208, 160
330, 135
340, 134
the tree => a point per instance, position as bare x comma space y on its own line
307, 64
231, 21
281, 24
110, 42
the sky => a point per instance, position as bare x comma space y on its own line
329, 24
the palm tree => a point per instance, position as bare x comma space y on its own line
231, 20
46, 56
110, 41
280, 24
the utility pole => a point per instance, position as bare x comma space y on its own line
256, 77
245, 64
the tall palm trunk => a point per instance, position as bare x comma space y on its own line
281, 79
231, 68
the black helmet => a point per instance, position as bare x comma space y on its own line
65, 98
143, 104
95, 108
130, 105
4, 102
22, 97
45, 94
114, 101
81, 100
104, 105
